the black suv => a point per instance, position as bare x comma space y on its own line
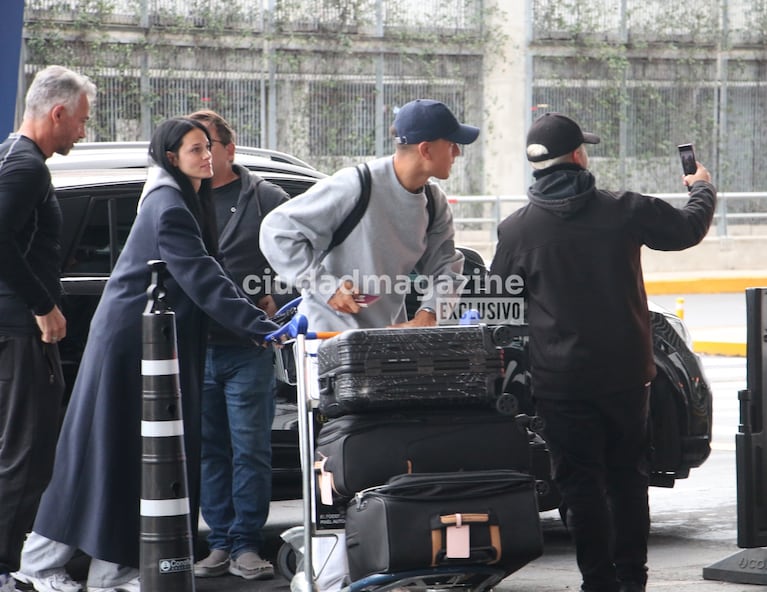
98, 186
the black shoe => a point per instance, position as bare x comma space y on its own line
631, 587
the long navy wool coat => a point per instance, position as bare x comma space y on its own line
92, 501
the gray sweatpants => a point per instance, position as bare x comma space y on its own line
42, 557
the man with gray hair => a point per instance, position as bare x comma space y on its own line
31, 323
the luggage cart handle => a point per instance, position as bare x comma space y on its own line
288, 305
298, 325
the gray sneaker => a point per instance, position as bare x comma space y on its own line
215, 564
250, 566
7, 583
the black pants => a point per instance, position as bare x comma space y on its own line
600, 460
31, 389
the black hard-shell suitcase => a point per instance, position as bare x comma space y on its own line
368, 369
427, 520
360, 451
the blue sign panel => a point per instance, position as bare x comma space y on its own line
11, 25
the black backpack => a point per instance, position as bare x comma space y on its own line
358, 211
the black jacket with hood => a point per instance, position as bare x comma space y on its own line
578, 250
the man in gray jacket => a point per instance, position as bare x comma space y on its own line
238, 390
396, 235
399, 232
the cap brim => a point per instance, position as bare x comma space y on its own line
465, 134
589, 138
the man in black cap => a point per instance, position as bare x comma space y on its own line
577, 248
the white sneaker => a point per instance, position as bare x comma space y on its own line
133, 585
58, 581
7, 583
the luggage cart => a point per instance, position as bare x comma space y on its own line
300, 541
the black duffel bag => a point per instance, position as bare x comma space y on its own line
361, 451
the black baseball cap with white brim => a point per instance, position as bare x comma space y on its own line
553, 135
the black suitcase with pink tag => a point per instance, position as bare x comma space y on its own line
365, 370
430, 520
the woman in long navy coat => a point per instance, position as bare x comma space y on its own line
92, 501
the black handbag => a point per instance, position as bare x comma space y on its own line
418, 521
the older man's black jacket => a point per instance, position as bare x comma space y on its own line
577, 249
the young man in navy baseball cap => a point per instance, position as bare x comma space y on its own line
426, 120
396, 234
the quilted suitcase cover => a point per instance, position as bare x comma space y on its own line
368, 369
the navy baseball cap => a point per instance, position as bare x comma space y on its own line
553, 135
425, 120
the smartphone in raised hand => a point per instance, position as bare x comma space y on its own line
689, 163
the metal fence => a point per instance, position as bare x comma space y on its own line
323, 102
297, 15
644, 74
639, 21
476, 217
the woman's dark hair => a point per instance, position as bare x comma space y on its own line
168, 138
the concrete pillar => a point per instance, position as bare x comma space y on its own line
507, 98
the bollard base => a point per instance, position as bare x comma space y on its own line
748, 566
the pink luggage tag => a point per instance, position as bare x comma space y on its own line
325, 482
457, 545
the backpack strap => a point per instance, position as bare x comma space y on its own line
257, 195
429, 205
354, 217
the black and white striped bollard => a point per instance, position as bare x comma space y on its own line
166, 536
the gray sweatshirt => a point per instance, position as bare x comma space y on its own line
389, 243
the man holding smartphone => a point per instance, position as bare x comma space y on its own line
578, 250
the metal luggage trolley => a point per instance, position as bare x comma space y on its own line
300, 540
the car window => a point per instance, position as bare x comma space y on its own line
104, 223
97, 220
294, 187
